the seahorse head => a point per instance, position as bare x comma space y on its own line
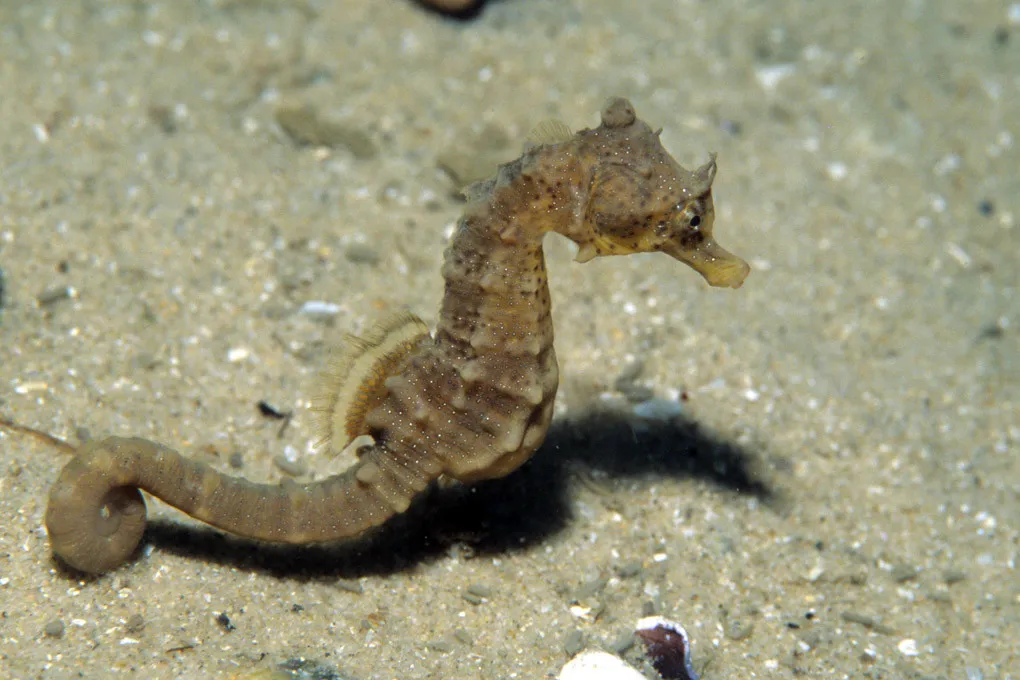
642, 200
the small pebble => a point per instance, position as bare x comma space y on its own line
480, 590
590, 588
472, 598
306, 669
319, 308
866, 621
361, 253
622, 642
163, 117
270, 411
731, 127
441, 646
54, 629
306, 127
135, 623
952, 576
627, 385
908, 647
904, 573
54, 294
293, 468
82, 434
630, 569
225, 623
630, 372
574, 642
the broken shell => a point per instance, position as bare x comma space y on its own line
668, 647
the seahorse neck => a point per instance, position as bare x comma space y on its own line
496, 291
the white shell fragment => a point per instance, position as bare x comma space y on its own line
596, 665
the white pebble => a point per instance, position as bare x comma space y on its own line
959, 254
320, 308
236, 354
908, 647
836, 171
769, 77
593, 665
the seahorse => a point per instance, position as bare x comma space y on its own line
471, 401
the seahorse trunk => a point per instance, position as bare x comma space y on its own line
96, 516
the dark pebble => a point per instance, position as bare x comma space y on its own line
225, 623
269, 411
54, 629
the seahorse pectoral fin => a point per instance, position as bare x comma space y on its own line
720, 267
354, 383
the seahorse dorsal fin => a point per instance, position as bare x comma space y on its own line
353, 382
550, 131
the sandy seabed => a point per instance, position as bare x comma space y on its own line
839, 495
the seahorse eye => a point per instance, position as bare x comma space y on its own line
695, 221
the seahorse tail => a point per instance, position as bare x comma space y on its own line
96, 515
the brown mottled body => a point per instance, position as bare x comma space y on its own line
474, 400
